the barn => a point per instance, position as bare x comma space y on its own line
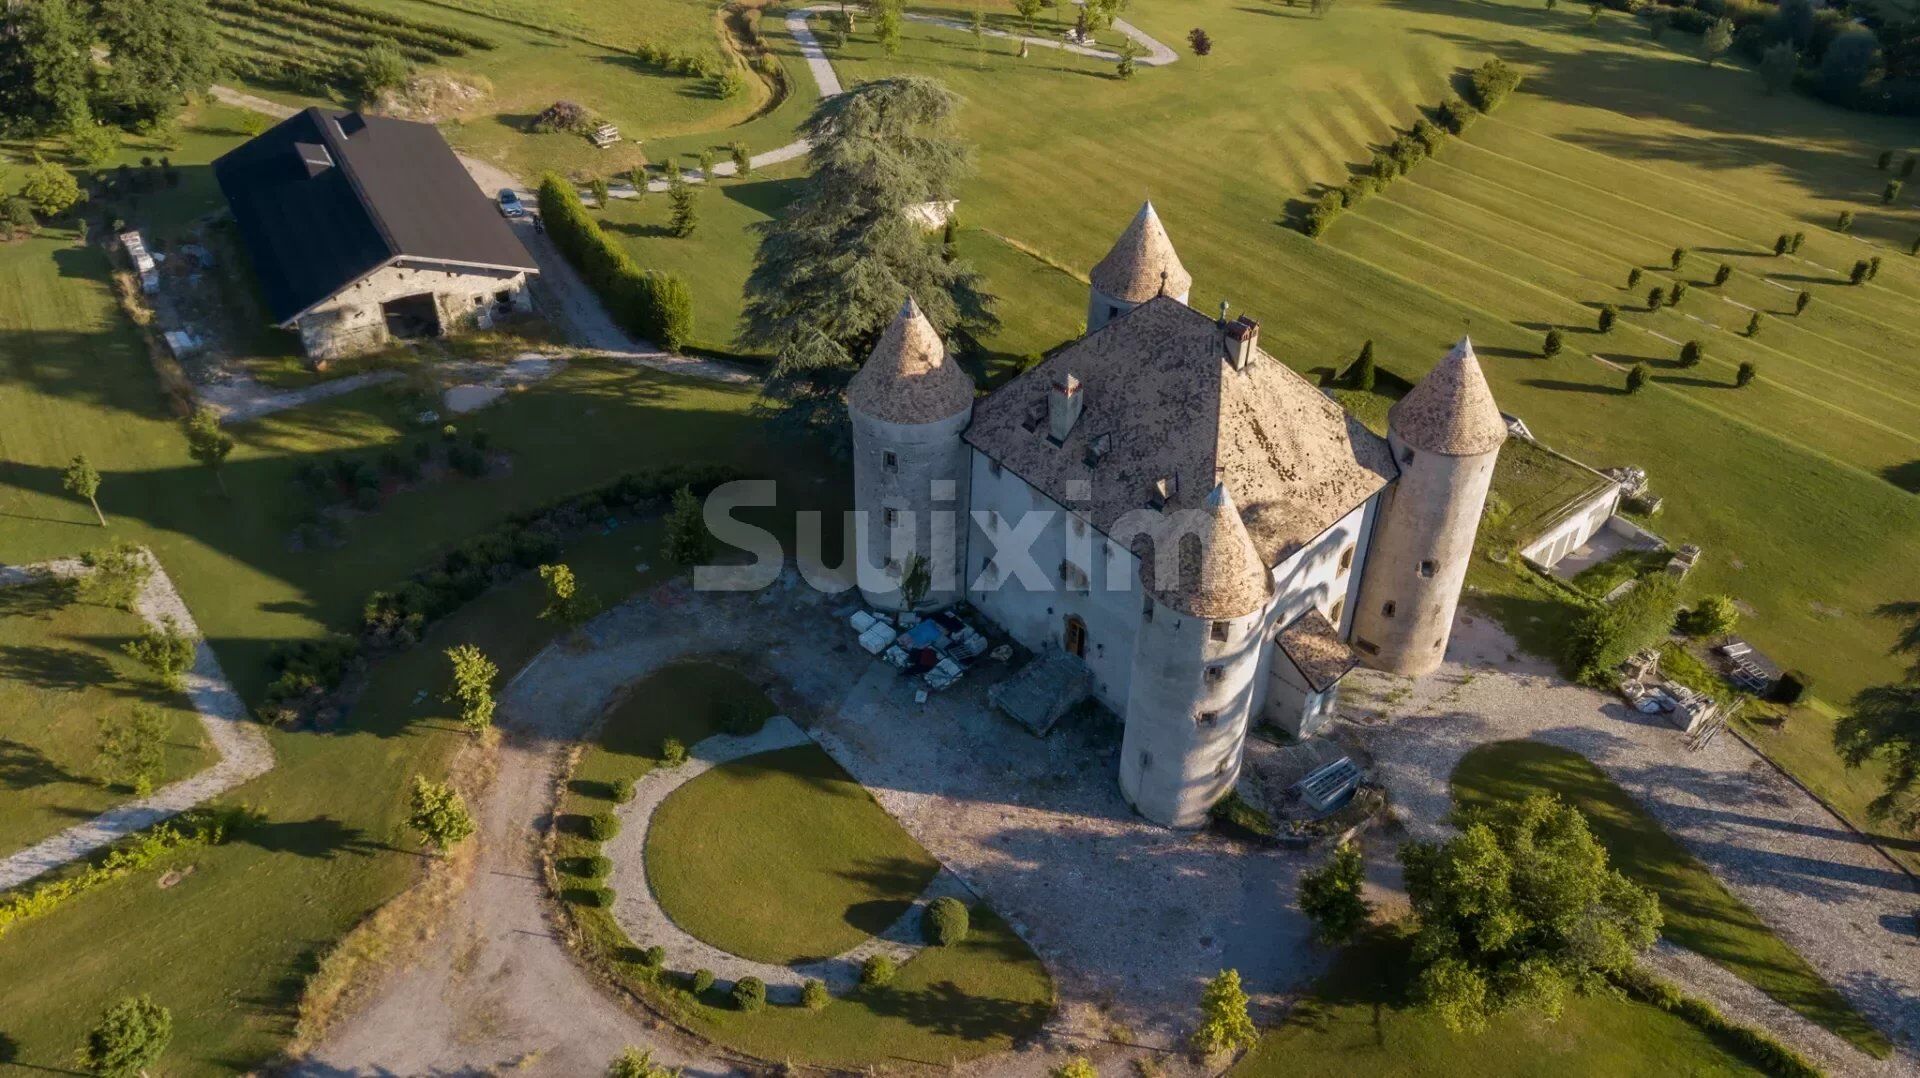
367, 229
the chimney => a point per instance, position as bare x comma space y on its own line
1064, 402
1243, 336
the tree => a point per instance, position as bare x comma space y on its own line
45, 65
115, 575
1715, 615
1691, 353
1781, 243
1656, 298
132, 749
1891, 191
1753, 324
1608, 315
637, 179
378, 69
129, 1038
1028, 10
1551, 346
93, 145
1885, 160
1798, 239
472, 687
1873, 267
1844, 222
1129, 51
1637, 378
158, 51
1633, 277
438, 813
1800, 302
886, 24
681, 196
1678, 257
81, 479
1884, 724
565, 604
1722, 275
1777, 66
1858, 275
915, 579
1330, 895
1745, 375
1852, 62
208, 443
166, 650
600, 191
688, 541
1716, 41
1518, 911
1201, 42
742, 160
1225, 1024
1907, 166
1677, 293
1363, 373
1657, 21
50, 189
708, 159
831, 271
635, 1063
16, 214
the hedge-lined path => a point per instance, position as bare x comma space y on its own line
1823, 889
243, 748
639, 912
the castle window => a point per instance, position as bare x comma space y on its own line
1112, 312
1216, 673
1346, 558
1208, 719
1388, 608
993, 467
1222, 630
1367, 646
1146, 609
889, 461
1438, 642
1333, 613
890, 516
1427, 567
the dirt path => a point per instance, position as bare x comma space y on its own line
1823, 889
242, 745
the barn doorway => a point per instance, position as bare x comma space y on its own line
1074, 636
412, 316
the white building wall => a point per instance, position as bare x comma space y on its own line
917, 472
1109, 605
1323, 575
1573, 530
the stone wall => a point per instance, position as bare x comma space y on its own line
351, 322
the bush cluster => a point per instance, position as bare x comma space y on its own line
947, 921
1407, 149
701, 65
749, 994
1763, 1051
814, 996
602, 826
1611, 634
653, 305
701, 982
1492, 82
878, 970
303, 671
565, 117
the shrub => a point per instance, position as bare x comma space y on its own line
1746, 374
947, 921
1690, 354
1780, 244
1677, 293
749, 994
1800, 302
653, 305
1637, 378
1891, 191
1792, 687
602, 826
1885, 161
1551, 346
591, 868
1656, 298
1492, 82
701, 982
1768, 1054
565, 117
1844, 223
1321, 215
1608, 315
878, 970
1714, 615
1200, 41
594, 898
1429, 135
814, 995
1798, 239
1873, 267
1859, 272
742, 160
1077, 1067
1633, 277
1363, 374
622, 790
1330, 895
653, 957
1679, 256
1753, 324
672, 753
1456, 115
1610, 635
1722, 275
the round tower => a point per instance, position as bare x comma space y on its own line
1196, 658
909, 405
1141, 265
1446, 434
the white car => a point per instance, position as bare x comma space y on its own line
510, 204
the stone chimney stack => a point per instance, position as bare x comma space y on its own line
1243, 336
1064, 402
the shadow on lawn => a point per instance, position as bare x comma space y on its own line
23, 767
1905, 476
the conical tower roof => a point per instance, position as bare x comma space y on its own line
1451, 411
1143, 256
1220, 576
909, 378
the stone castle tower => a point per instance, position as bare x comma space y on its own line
1445, 434
1196, 659
1140, 266
909, 405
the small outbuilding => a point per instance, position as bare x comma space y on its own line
363, 229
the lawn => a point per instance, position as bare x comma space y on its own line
810, 867
1701, 914
797, 817
1357, 1021
61, 673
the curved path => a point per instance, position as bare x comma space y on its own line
242, 745
640, 913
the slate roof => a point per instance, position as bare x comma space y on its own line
1314, 646
909, 378
1132, 271
1451, 410
1163, 404
325, 197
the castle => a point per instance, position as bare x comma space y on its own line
1213, 536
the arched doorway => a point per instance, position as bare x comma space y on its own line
1073, 637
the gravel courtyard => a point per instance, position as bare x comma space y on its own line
1826, 892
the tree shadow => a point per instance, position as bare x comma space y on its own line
1573, 387
1905, 476
23, 767
53, 668
322, 837
38, 599
1693, 383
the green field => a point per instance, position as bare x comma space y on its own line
61, 673
781, 856
1701, 914
1356, 1020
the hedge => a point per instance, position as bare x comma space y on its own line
1492, 82
1757, 1047
647, 303
191, 830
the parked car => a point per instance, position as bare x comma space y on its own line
510, 204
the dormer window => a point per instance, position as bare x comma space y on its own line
1163, 491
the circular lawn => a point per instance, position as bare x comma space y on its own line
782, 857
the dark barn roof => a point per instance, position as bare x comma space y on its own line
323, 198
